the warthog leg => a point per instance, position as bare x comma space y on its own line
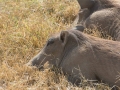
81, 17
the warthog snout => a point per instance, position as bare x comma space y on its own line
30, 64
39, 60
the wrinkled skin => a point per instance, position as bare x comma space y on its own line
79, 55
103, 15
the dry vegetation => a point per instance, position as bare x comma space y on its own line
25, 26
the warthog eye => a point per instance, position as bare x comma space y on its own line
50, 41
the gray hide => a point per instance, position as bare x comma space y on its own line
79, 54
101, 14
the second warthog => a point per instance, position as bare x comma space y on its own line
103, 15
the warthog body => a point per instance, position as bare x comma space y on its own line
78, 53
103, 15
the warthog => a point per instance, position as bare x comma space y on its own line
103, 15
81, 54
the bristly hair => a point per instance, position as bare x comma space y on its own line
80, 36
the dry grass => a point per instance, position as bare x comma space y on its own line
25, 26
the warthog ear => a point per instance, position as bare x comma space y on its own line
64, 36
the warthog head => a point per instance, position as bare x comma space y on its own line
55, 50
86, 3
